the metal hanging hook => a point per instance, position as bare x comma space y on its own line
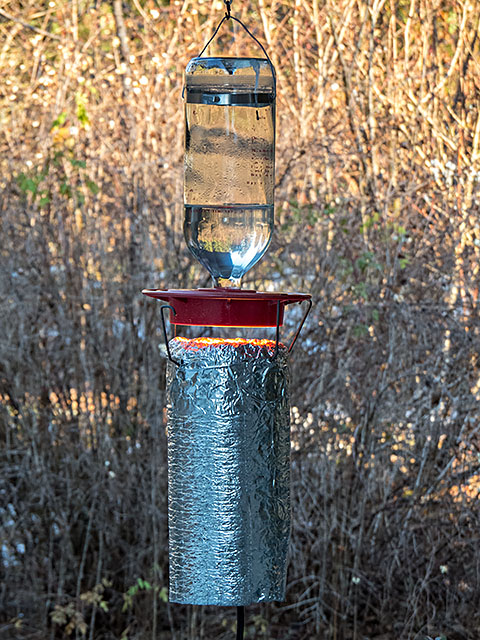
228, 4
165, 337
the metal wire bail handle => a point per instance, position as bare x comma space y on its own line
228, 16
165, 337
277, 330
297, 333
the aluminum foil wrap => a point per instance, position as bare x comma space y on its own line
228, 471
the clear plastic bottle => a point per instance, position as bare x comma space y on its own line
229, 163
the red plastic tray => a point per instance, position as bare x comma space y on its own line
224, 307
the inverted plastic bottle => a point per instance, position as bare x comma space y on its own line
229, 163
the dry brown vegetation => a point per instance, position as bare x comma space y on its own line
378, 174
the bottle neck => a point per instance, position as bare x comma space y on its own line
227, 282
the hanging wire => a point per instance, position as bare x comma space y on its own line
214, 34
228, 16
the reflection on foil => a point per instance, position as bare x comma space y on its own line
228, 471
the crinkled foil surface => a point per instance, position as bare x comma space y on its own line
228, 471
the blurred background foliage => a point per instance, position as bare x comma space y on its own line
377, 210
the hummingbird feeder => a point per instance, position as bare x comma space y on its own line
228, 406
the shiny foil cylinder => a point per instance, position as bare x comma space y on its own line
228, 471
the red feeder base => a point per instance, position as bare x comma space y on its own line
224, 307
